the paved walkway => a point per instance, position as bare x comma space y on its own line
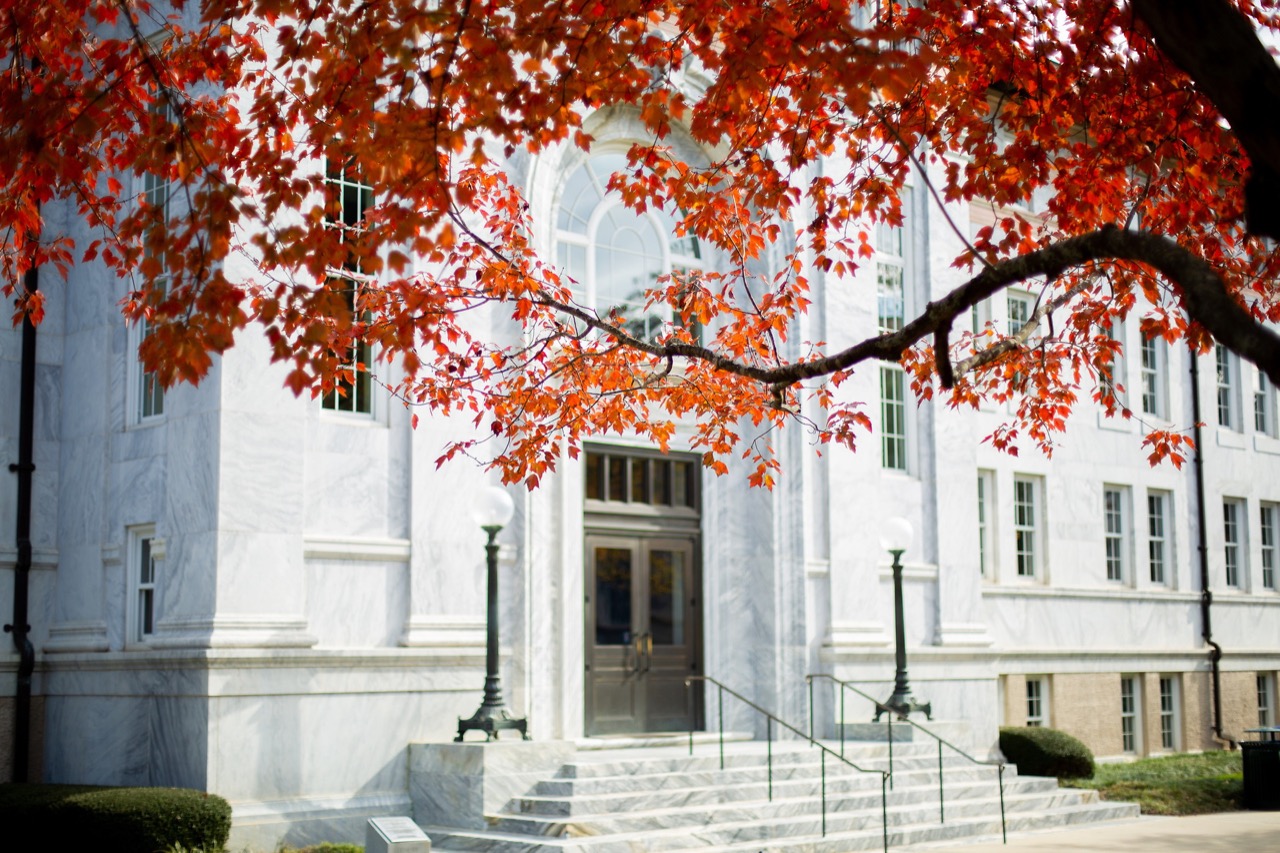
1232, 832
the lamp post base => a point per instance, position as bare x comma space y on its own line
902, 704
491, 720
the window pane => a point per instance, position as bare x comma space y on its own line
613, 596
666, 597
617, 478
595, 473
640, 481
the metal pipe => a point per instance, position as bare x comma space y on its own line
24, 468
1206, 595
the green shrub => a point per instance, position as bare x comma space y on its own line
116, 820
1046, 752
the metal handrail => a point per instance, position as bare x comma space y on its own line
889, 715
770, 719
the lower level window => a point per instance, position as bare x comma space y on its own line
1266, 700
1129, 713
142, 582
1168, 712
1036, 699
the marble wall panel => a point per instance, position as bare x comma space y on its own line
356, 604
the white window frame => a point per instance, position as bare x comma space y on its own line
1170, 713
357, 399
1026, 307
1155, 360
1235, 550
145, 551
1159, 543
1264, 404
146, 405
986, 524
1027, 526
1268, 528
1116, 533
1131, 714
1114, 380
1227, 370
1266, 684
1037, 698
892, 247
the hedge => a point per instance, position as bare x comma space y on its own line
1046, 752
116, 820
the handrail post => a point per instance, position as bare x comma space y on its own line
1004, 830
824, 792
721, 711
884, 808
768, 728
942, 809
842, 719
810, 680
688, 696
889, 719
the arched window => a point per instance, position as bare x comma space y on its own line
613, 253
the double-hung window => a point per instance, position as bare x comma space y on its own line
1158, 550
349, 200
1114, 501
1114, 385
1264, 405
147, 394
143, 580
1169, 712
1129, 716
986, 495
1026, 525
890, 316
1154, 356
1037, 701
1233, 542
1267, 528
1228, 369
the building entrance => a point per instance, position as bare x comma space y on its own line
643, 634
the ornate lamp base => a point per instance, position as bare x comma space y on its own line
902, 705
491, 720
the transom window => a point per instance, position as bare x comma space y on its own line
641, 480
614, 254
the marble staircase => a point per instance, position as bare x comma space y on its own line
661, 798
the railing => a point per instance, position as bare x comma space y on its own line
770, 719
881, 708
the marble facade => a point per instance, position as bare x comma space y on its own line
320, 592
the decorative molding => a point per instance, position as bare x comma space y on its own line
964, 634
857, 635
111, 554
364, 549
87, 636
817, 568
445, 632
1145, 594
265, 630
42, 559
159, 548
911, 571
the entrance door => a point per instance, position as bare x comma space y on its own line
641, 636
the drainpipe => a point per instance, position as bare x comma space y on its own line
1206, 595
22, 570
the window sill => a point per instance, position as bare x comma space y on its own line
1228, 437
1264, 443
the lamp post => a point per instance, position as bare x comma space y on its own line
895, 536
491, 512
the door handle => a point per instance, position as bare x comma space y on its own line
638, 643
648, 650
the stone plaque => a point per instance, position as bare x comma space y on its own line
395, 835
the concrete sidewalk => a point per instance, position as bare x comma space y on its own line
1230, 832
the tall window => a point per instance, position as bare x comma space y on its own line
985, 497
1157, 535
1113, 374
1168, 712
349, 200
1266, 700
614, 254
1227, 368
142, 584
1129, 713
890, 317
1020, 306
1264, 405
1025, 526
1268, 531
1036, 701
148, 392
1233, 539
1113, 500
1153, 372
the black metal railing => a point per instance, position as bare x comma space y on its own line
770, 719
888, 713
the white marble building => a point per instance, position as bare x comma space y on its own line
268, 598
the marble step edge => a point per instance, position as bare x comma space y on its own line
809, 759
445, 840
737, 817
783, 752
611, 785
757, 790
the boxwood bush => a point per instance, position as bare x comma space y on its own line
116, 820
1039, 751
